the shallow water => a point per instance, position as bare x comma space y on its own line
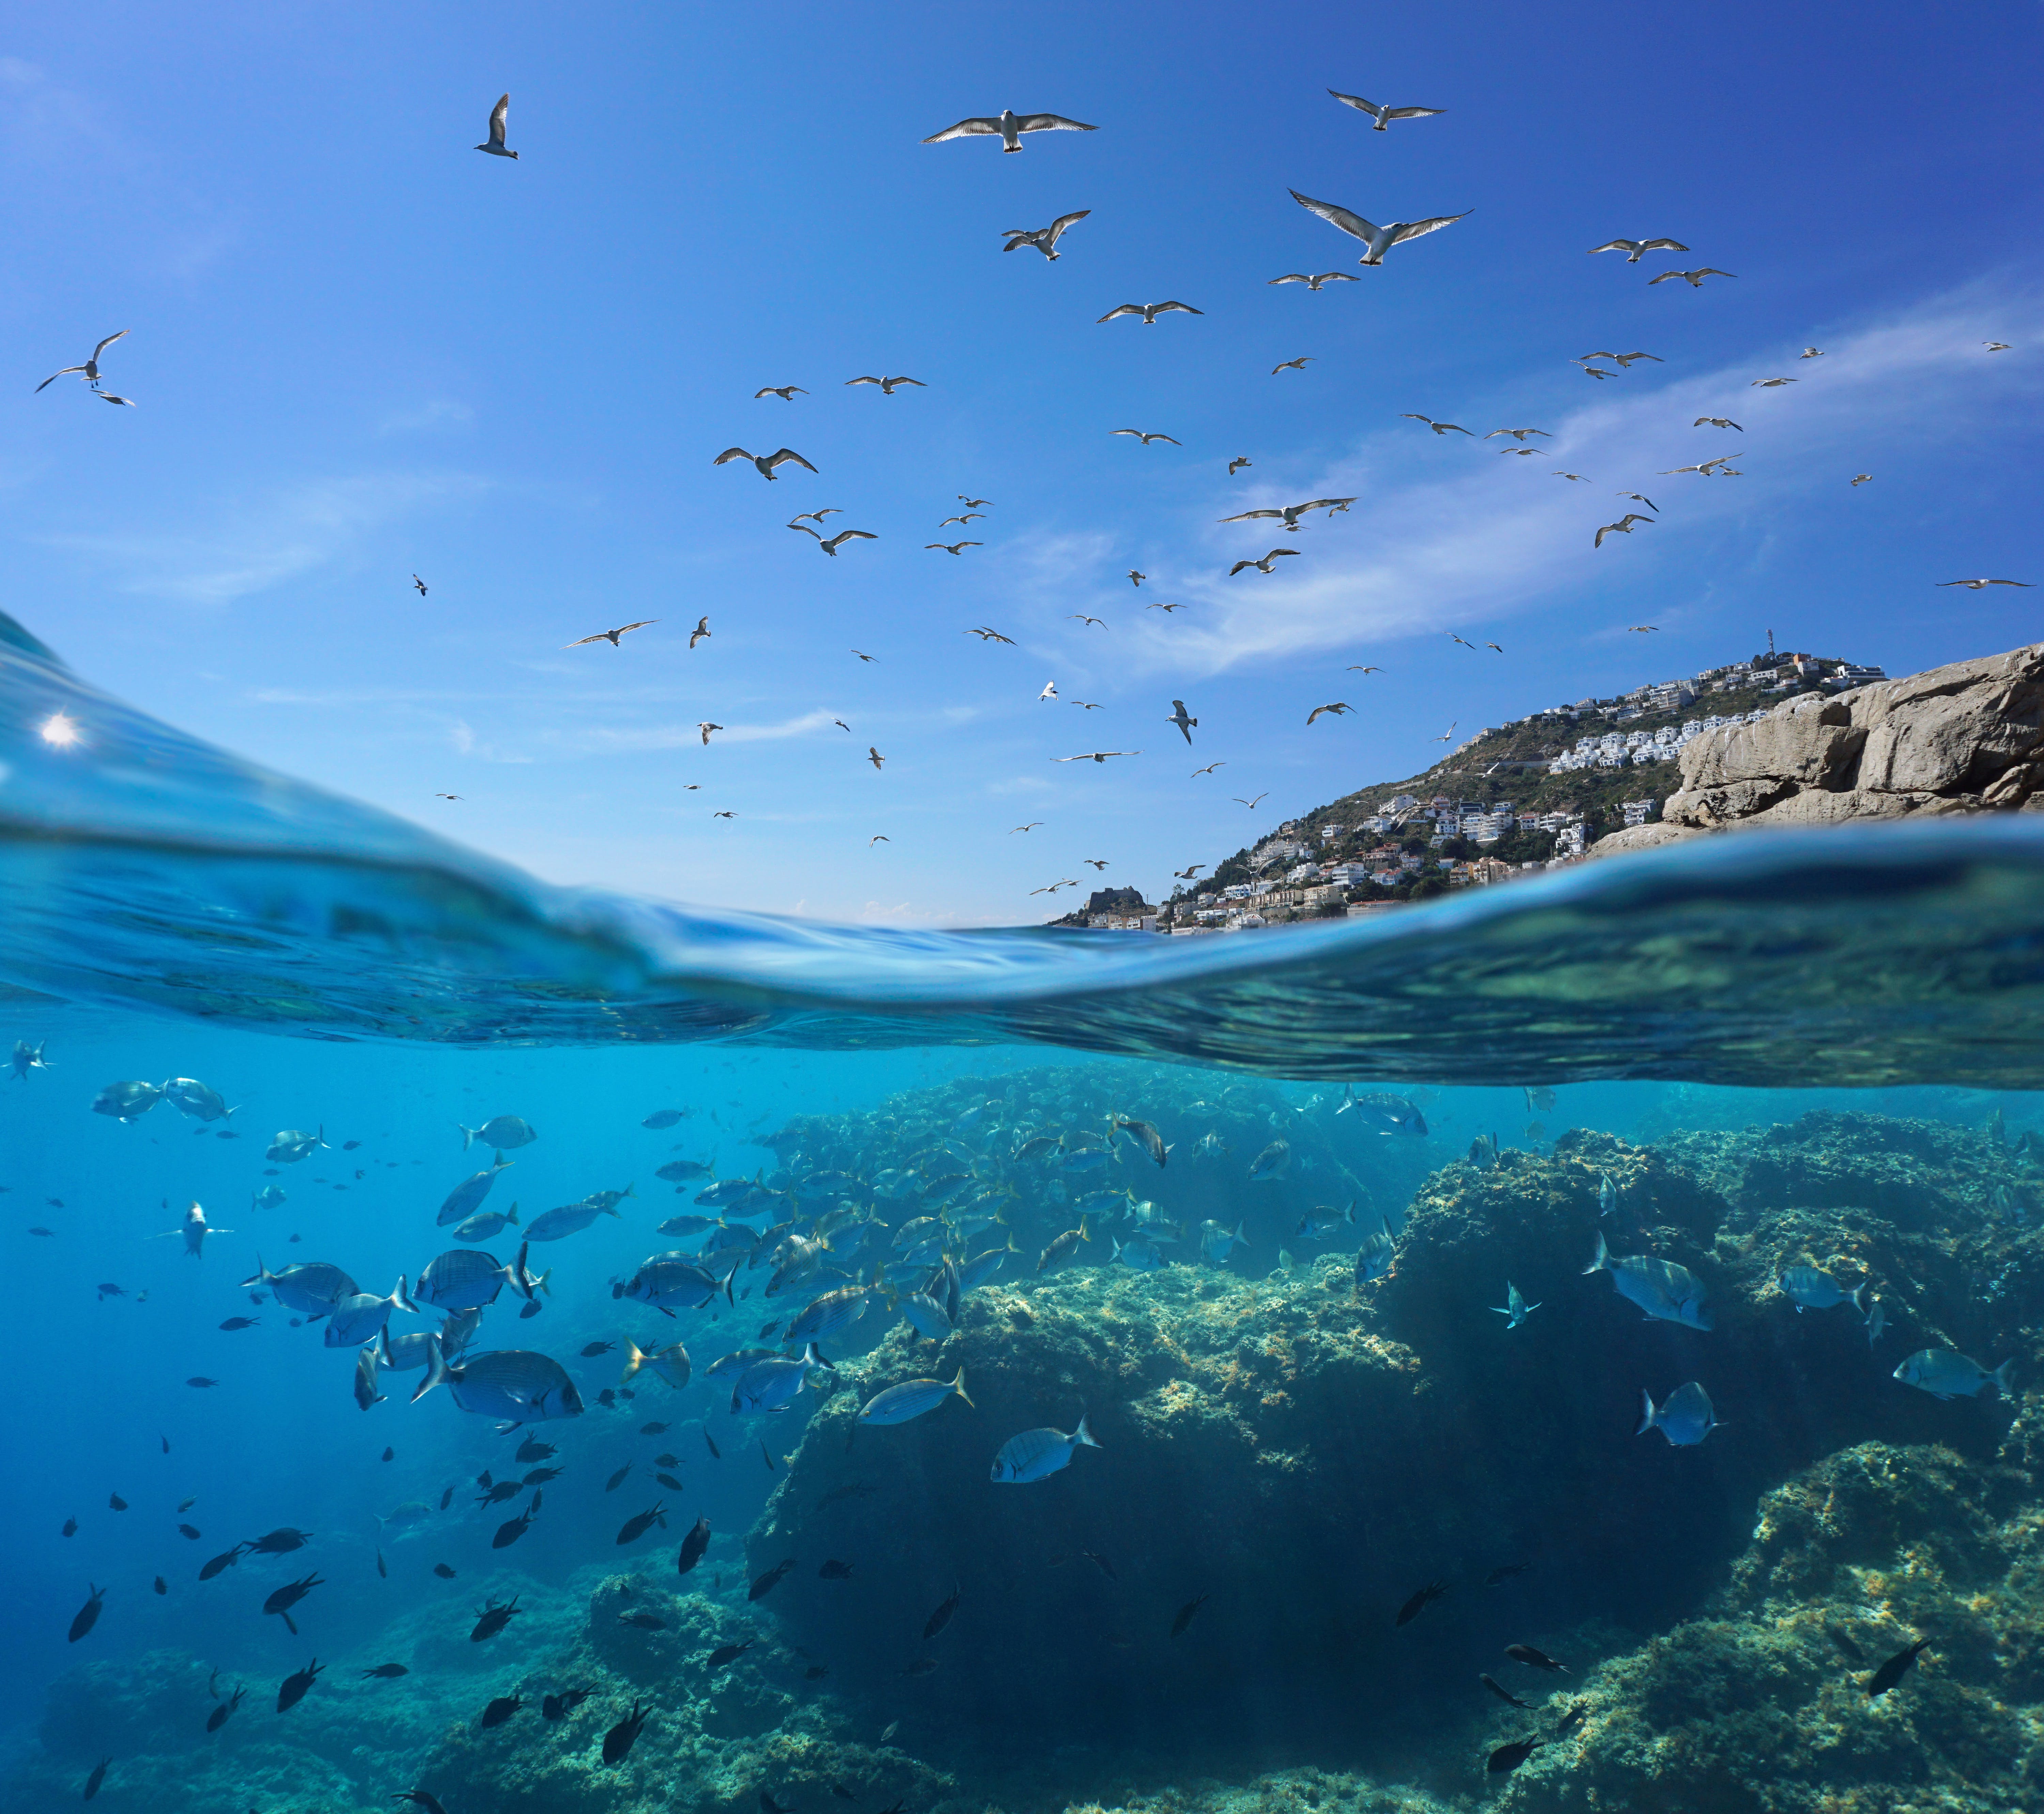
1776, 1051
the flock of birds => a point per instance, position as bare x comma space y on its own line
1376, 240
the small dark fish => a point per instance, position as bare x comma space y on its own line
71, 1526
1847, 1648
500, 1491
842, 1792
533, 1450
1533, 1658
539, 1476
764, 1456
294, 1690
241, 1322
418, 1797
943, 1615
389, 1454
767, 1329
617, 1479
645, 1621
771, 1580
635, 1527
199, 1382
694, 1545
281, 1602
1504, 1694
1505, 1574
1420, 1601
349, 1146
715, 1454
1882, 1679
88, 1616
559, 1706
669, 1481
591, 1350
922, 1666
835, 1570
666, 1461
385, 1672
447, 1499
442, 1571
227, 1559
1571, 1720
46, 1234
221, 1714
280, 1542
493, 1618
92, 1782
652, 1429
607, 1398
501, 1709
1186, 1613
184, 1505
190, 1533
162, 1586
382, 1567
726, 1654
1101, 1563
531, 1308
1507, 1758
618, 1742
815, 1672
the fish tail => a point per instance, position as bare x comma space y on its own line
497, 1164
1648, 1416
727, 1279
2000, 1376
541, 1283
634, 1360
436, 1369
511, 1215
958, 1386
289, 1625
468, 1137
1083, 1436
1856, 1291
629, 1191
1084, 1233
403, 1298
1603, 1255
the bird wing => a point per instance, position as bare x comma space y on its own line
1409, 416
852, 381
1356, 102
964, 129
1247, 514
1711, 270
851, 535
1183, 308
769, 391
1413, 229
1663, 277
916, 382
1064, 221
1238, 567
641, 625
1603, 531
1323, 503
1627, 358
1616, 245
1275, 553
111, 338
1410, 113
786, 454
1292, 277
1452, 428
1137, 432
731, 453
806, 530
1173, 439
601, 637
498, 115
1336, 216
55, 375
1338, 277
1051, 123
1126, 309
1662, 245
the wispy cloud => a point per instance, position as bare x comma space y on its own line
424, 418
1495, 536
675, 736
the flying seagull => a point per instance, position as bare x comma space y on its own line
1096, 862
954, 547
420, 584
1522, 453
1237, 464
1597, 371
1315, 281
1262, 566
1031, 827
766, 463
723, 814
842, 725
1494, 646
815, 516
1380, 117
1144, 438
838, 540
1464, 641
988, 636
1136, 579
1010, 125
1088, 705
887, 385
973, 503
108, 396
1621, 359
970, 517
1289, 516
699, 632
1642, 629
1097, 755
1357, 668
1250, 804
1638, 497
1154, 606
1518, 435
1715, 422
787, 392
1578, 477
1862, 478
1811, 352
494, 144
89, 370
1623, 527
1975, 585
1693, 279
446, 796
1633, 248
1150, 311
706, 728
1209, 770
1044, 239
1441, 428
1050, 690
1292, 365
1185, 724
1378, 241
878, 838
1446, 735
610, 636
1068, 883
1995, 346
874, 756
1188, 872
1081, 617
863, 656
1704, 468
1773, 383
1339, 707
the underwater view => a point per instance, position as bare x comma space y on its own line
666, 1148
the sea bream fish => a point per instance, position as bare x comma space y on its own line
1666, 1292
680, 1171
1217, 1241
724, 1190
771, 1385
1139, 1254
1944, 1375
486, 1224
312, 1288
911, 1399
127, 1102
400, 1354
292, 1144
360, 1317
268, 1197
673, 1282
1373, 1258
514, 1384
200, 1101
570, 1219
1808, 1288
1385, 1113
1322, 1221
502, 1132
1036, 1455
194, 1229
1516, 1309
730, 1365
1685, 1416
27, 1058
671, 1363
829, 1315
467, 1197
978, 1270
1274, 1162
466, 1278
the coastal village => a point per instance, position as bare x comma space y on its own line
1513, 801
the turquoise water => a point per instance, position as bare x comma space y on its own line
1778, 1049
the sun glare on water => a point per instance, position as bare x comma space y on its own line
60, 731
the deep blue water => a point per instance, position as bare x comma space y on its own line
166, 910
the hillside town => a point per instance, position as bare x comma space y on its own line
1513, 801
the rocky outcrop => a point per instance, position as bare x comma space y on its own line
1965, 738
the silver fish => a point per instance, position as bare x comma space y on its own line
400, 1354
126, 1102
1686, 1417
200, 1101
466, 1278
771, 1385
976, 1272
662, 1118
294, 1143
366, 1394
268, 1197
1217, 1241
1666, 1292
911, 1399
1322, 1221
1386, 1114
1608, 1194
1944, 1375
1373, 1258
194, 1228
1516, 1310
1274, 1162
1809, 1289
730, 1365
829, 1315
926, 1316
570, 1219
312, 1289
724, 1190
486, 1225
1139, 1254
360, 1316
1876, 1322
500, 1131
672, 1282
467, 1197
27, 1058
1036, 1455
514, 1384
671, 1363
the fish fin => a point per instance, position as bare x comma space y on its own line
468, 1137
436, 1369
1495, 1311
958, 1386
498, 1163
1856, 1290
402, 1297
1603, 1255
541, 1281
2000, 1376
511, 1215
635, 1359
1083, 1436
289, 1625
1647, 1414
1084, 1233
629, 1191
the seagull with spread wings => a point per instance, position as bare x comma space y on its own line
699, 632
706, 728
766, 463
1339, 709
90, 371
1639, 497
1154, 606
1150, 311
874, 756
1146, 438
954, 547
419, 585
494, 143
1380, 117
970, 517
973, 503
1237, 464
1288, 515
1693, 279
1704, 468
1044, 239
787, 392
1626, 359
1975, 585
1635, 249
1298, 364
988, 635
1317, 280
1715, 422
1518, 435
1446, 736
838, 540
610, 636
1356, 667
1440, 427
888, 385
1031, 827
1097, 755
1209, 770
1050, 691
1136, 577
1186, 725
1250, 804
863, 656
1081, 617
1641, 629
1623, 527
1262, 566
1009, 125
1188, 871
1376, 240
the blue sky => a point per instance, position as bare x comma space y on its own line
359, 351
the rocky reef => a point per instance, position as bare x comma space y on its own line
1967, 737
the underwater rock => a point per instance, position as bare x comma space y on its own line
1965, 737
